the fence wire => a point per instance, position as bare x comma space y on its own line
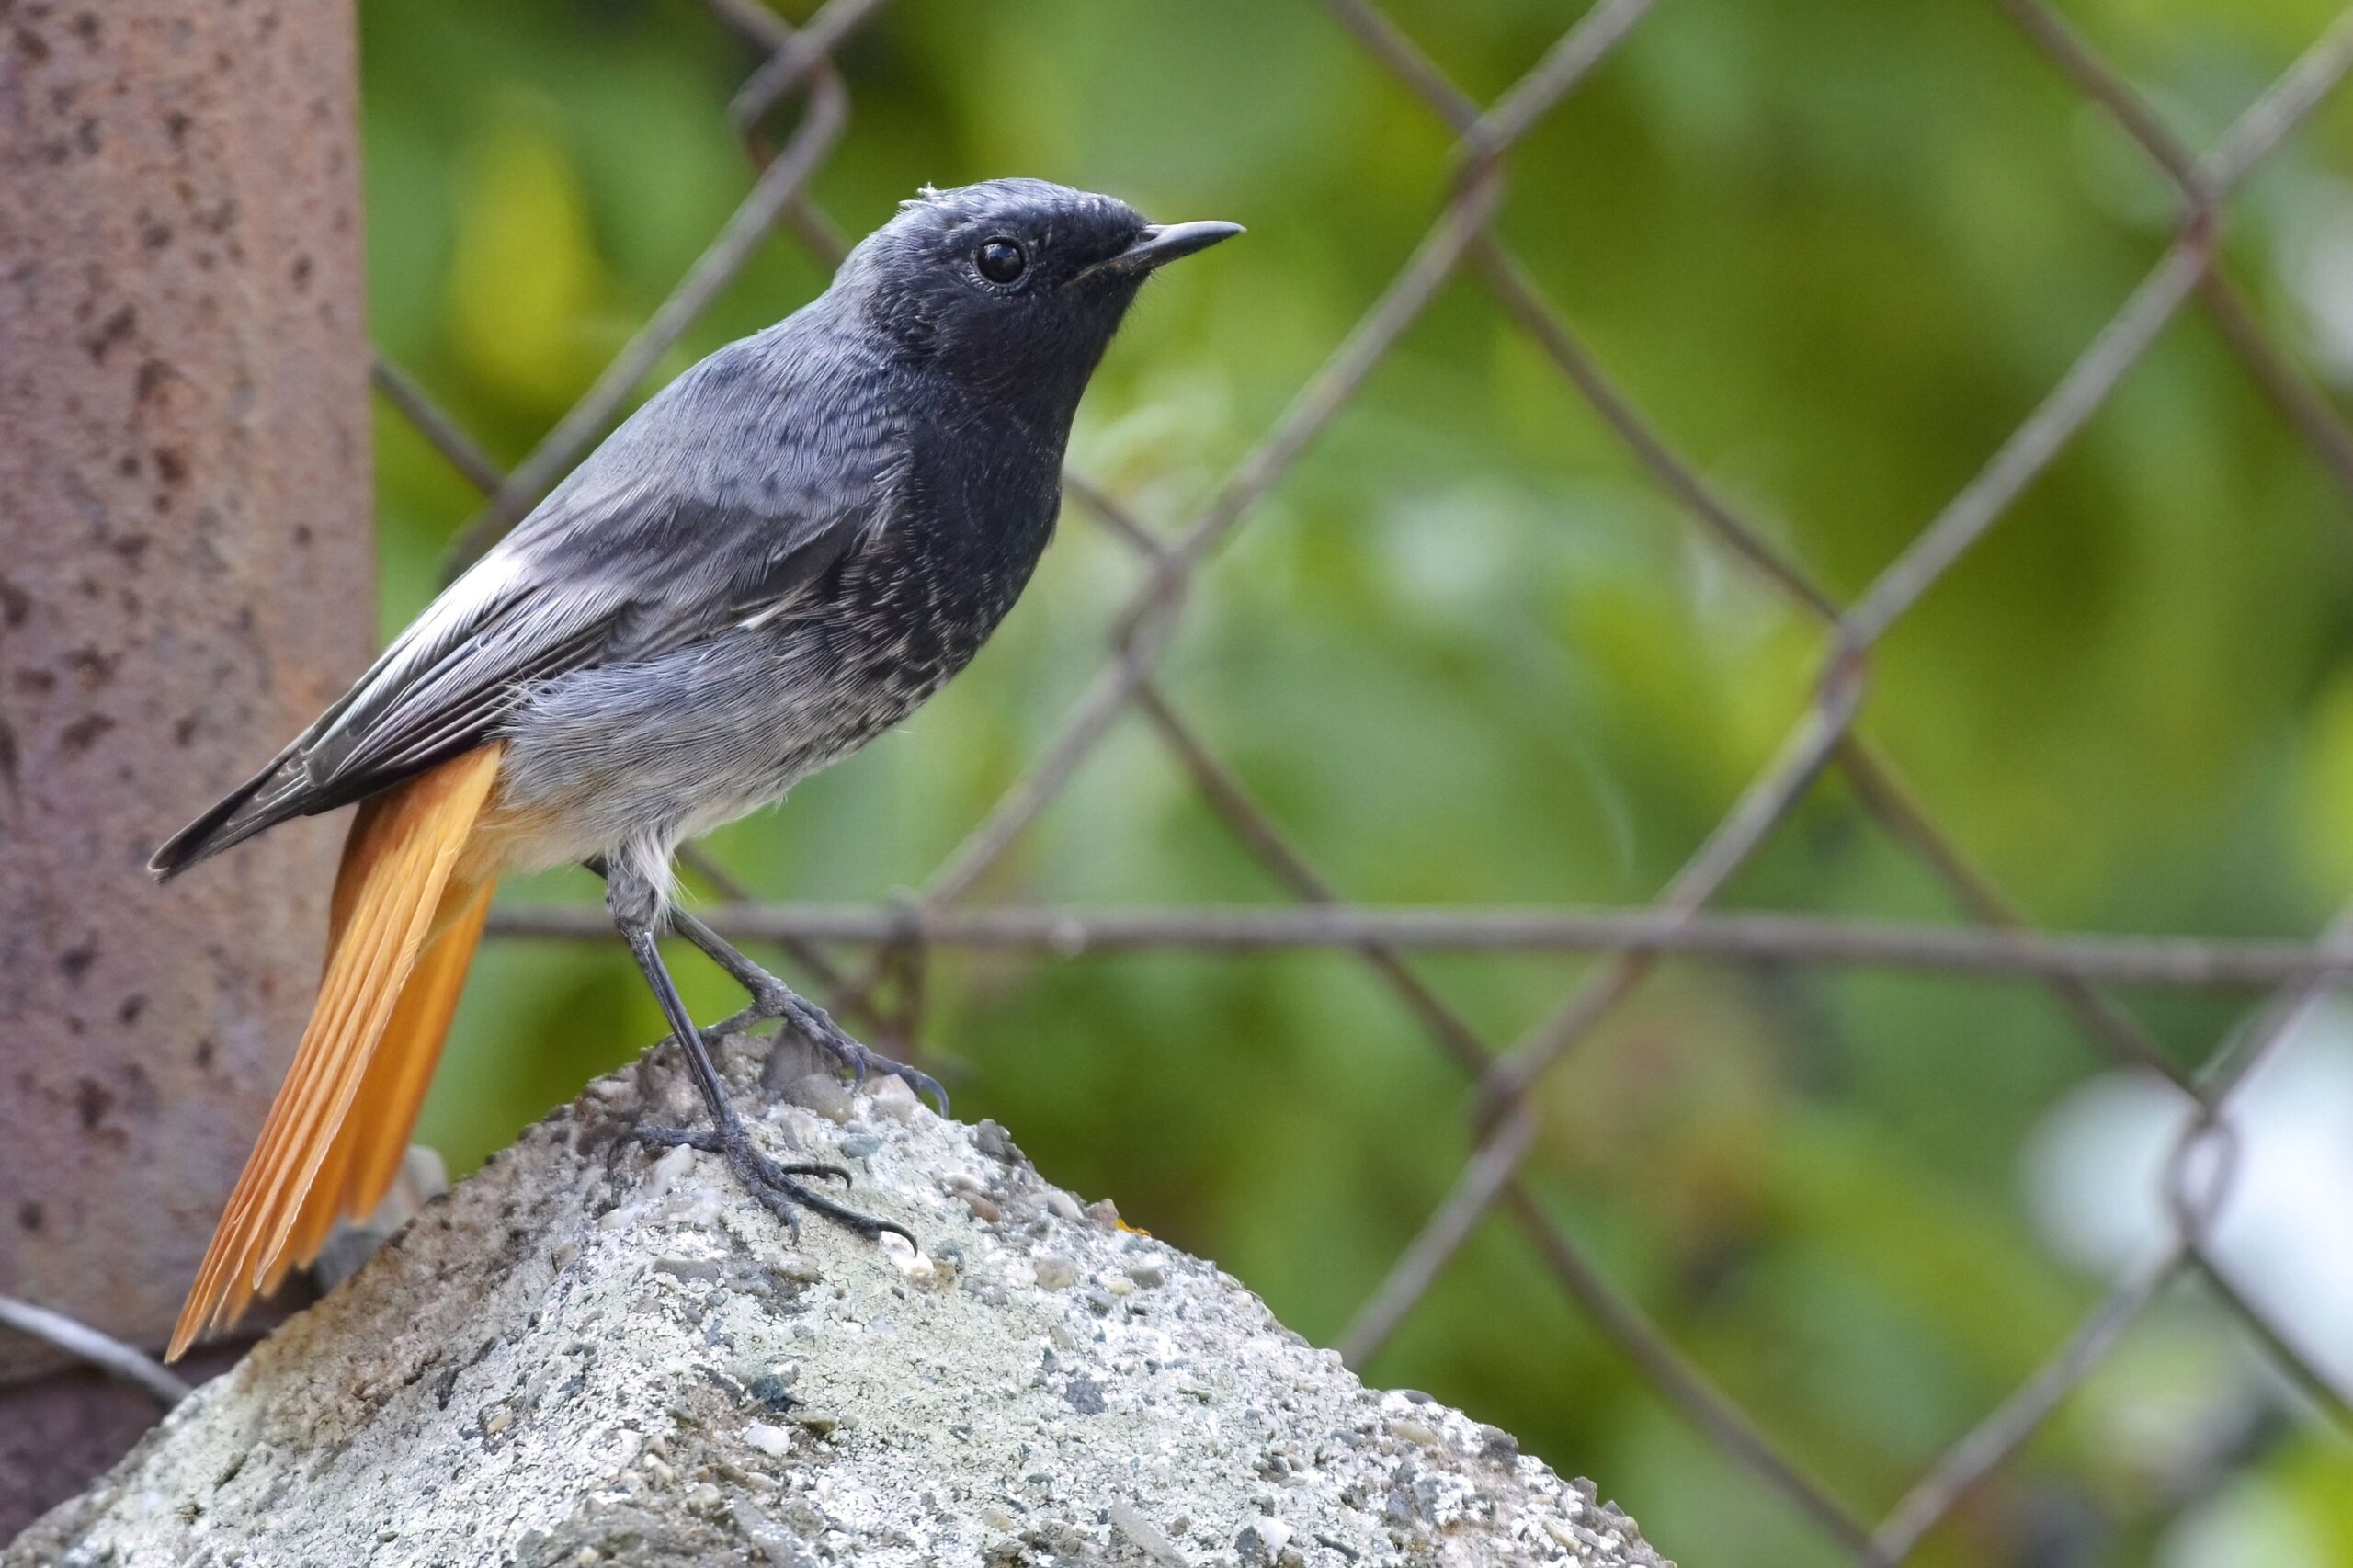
797, 65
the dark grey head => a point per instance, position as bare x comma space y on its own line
1013, 287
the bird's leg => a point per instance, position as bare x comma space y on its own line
767, 1179
772, 998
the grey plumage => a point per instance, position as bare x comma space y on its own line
782, 553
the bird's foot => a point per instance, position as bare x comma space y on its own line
772, 998
770, 1180
816, 1026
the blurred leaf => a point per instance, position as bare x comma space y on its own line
525, 274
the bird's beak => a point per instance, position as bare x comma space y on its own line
1162, 243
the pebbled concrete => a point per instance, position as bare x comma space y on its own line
589, 1354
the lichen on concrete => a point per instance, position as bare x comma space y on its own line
587, 1354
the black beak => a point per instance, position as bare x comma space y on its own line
1162, 243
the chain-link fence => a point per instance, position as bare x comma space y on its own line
1463, 237
885, 993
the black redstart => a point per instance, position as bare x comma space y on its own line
781, 555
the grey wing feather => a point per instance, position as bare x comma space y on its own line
663, 538
447, 680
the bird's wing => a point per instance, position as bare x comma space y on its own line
669, 534
565, 601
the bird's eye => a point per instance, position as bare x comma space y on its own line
1001, 261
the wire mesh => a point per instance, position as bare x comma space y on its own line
798, 65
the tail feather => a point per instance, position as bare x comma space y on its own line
401, 930
356, 1028
367, 1157
324, 1094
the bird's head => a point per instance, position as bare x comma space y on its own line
1013, 287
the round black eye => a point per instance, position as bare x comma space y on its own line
1001, 261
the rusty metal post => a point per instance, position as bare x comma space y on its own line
186, 577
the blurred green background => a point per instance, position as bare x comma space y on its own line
1836, 249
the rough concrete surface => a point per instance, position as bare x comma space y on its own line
589, 1354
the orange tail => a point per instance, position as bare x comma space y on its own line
401, 932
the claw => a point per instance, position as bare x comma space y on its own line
814, 1169
771, 1181
860, 1060
923, 1084
772, 998
816, 1026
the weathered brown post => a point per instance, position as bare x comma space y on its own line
186, 576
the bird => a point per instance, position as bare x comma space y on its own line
780, 554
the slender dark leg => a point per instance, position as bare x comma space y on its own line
771, 1182
772, 998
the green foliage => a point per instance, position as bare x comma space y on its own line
1466, 653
